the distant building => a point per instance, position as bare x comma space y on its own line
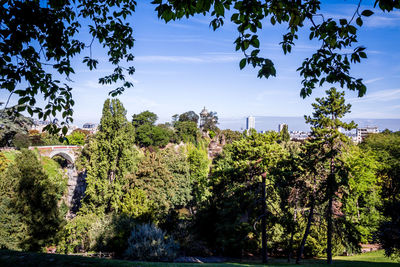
39, 125
250, 123
280, 127
363, 132
299, 135
91, 127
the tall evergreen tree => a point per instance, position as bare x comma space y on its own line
28, 205
110, 155
284, 134
325, 124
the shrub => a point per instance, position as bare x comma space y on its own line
81, 234
147, 242
21, 140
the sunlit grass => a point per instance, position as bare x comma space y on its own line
14, 258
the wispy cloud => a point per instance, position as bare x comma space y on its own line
203, 20
89, 86
381, 20
377, 20
271, 93
373, 80
186, 39
217, 58
395, 107
140, 102
380, 96
372, 115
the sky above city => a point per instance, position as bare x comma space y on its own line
185, 65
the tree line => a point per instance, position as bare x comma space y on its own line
324, 196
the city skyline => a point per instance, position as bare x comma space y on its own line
268, 123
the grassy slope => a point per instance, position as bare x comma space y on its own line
10, 155
14, 258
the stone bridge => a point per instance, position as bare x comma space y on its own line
67, 152
76, 180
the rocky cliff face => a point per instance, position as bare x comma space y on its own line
216, 146
76, 190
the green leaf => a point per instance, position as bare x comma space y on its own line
64, 130
245, 44
359, 21
367, 13
242, 63
255, 42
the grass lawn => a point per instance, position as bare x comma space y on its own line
14, 259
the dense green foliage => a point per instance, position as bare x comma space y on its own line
284, 134
76, 138
189, 116
108, 158
149, 134
231, 136
227, 222
12, 125
386, 148
209, 203
330, 142
199, 167
29, 204
187, 131
164, 178
21, 140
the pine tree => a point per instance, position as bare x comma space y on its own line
110, 155
284, 134
325, 124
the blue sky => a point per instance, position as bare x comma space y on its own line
185, 65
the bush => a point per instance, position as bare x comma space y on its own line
81, 234
21, 140
147, 242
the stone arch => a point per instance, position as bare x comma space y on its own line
67, 156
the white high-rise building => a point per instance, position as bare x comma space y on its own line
363, 132
250, 123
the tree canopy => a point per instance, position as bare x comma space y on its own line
10, 125
108, 158
189, 116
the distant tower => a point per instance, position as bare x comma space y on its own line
250, 123
203, 116
280, 127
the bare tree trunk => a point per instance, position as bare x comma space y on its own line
293, 229
263, 223
306, 232
330, 228
330, 190
290, 249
